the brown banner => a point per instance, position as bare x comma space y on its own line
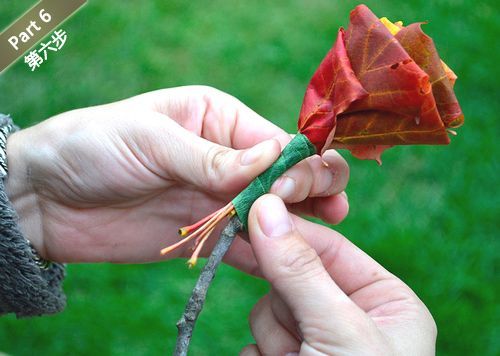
33, 26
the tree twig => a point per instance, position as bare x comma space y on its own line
186, 323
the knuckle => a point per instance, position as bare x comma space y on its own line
303, 183
341, 175
209, 94
213, 165
339, 169
300, 260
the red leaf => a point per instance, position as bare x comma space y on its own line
399, 94
421, 48
331, 90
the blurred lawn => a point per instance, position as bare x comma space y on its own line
429, 214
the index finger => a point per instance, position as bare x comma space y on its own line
214, 115
350, 267
364, 280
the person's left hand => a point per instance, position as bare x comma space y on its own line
115, 182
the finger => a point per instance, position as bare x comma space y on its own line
294, 268
329, 209
332, 209
315, 177
295, 184
283, 314
240, 256
337, 166
376, 291
178, 154
225, 120
213, 114
250, 350
226, 170
353, 271
271, 337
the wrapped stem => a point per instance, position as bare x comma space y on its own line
297, 149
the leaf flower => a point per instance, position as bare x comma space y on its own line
382, 84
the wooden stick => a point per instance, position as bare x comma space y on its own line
186, 323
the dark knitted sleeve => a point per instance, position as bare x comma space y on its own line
26, 288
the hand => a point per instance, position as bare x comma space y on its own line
115, 182
328, 297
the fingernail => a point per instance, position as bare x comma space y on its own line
273, 219
285, 187
344, 194
252, 155
292, 354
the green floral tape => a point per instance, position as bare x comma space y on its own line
298, 149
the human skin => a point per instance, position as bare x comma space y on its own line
115, 182
327, 296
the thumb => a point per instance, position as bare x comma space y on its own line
208, 165
226, 170
295, 270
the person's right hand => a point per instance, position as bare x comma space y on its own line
328, 297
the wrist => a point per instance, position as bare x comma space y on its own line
20, 192
16, 180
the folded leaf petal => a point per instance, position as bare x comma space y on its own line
382, 84
332, 89
421, 48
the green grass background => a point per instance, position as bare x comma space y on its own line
429, 214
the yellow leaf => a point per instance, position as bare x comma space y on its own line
392, 27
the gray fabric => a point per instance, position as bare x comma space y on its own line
25, 288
